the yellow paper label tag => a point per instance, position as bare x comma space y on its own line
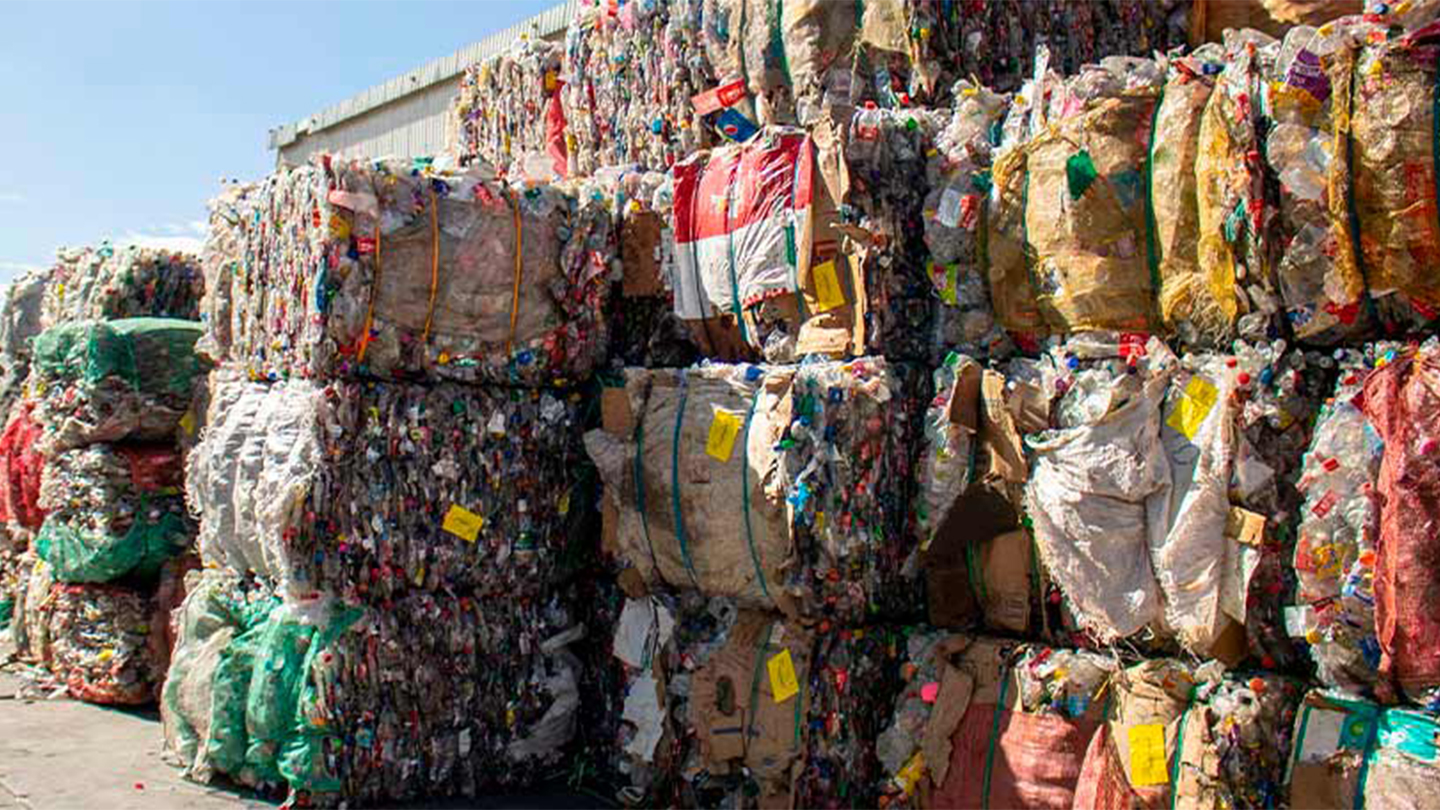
339, 228
187, 423
828, 293
782, 676
1196, 400
463, 523
723, 430
1147, 755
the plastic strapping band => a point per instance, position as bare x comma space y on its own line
745, 493
435, 269
1152, 246
675, 481
994, 737
519, 274
730, 252
370, 307
977, 582
1299, 742
1180, 747
777, 40
760, 653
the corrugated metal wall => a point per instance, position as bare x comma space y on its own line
408, 115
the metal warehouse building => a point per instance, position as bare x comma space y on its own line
407, 115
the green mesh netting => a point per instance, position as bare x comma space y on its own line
7, 611
85, 555
228, 738
285, 742
153, 355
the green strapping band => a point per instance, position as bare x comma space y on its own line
1298, 742
745, 494
640, 487
977, 582
760, 652
1152, 248
1180, 747
675, 482
994, 737
777, 39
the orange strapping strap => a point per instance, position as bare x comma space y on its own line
370, 308
434, 266
519, 274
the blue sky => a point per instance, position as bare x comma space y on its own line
118, 119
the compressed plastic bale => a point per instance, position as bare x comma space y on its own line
766, 260
31, 630
107, 381
222, 262
1232, 246
1400, 401
954, 218
371, 489
1334, 555
811, 455
1318, 274
1191, 738
20, 314
1069, 236
102, 644
411, 270
113, 511
466, 695
754, 681
988, 722
497, 114
1100, 487
1391, 149
796, 56
1349, 752
187, 699
1185, 303
109, 283
20, 468
1202, 582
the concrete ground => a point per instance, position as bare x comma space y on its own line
62, 754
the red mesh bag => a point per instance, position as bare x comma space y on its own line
1035, 762
1402, 402
20, 465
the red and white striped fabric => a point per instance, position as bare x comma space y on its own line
740, 213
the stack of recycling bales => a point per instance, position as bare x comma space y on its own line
92, 467
390, 483
19, 461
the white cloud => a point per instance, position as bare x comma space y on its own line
189, 244
199, 227
11, 197
17, 268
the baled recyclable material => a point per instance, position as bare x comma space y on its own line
103, 381
1334, 556
371, 489
1350, 752
31, 621
108, 283
1194, 737
1100, 484
503, 111
993, 723
20, 469
102, 644
754, 245
401, 269
814, 455
1400, 400
1317, 273
112, 512
1071, 234
1186, 306
1391, 147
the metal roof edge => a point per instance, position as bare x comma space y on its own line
544, 24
